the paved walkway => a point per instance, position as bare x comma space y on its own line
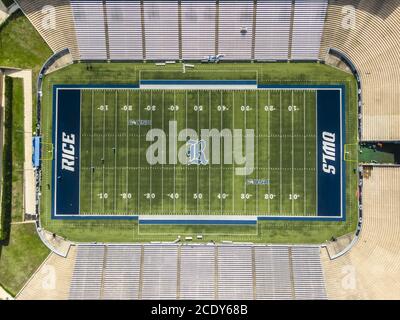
29, 176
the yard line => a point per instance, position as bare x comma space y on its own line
91, 161
162, 165
221, 152
198, 130
233, 158
304, 152
104, 143
245, 125
280, 148
138, 183
292, 155
269, 152
257, 175
186, 172
151, 167
209, 167
127, 152
115, 150
174, 161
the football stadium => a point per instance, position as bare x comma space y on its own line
212, 149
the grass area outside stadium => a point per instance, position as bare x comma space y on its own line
264, 231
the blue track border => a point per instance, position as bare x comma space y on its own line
342, 87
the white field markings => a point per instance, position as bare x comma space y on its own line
115, 150
221, 150
186, 130
245, 126
292, 153
174, 161
280, 151
91, 158
104, 144
233, 162
304, 153
269, 152
162, 165
197, 167
139, 169
151, 167
257, 173
127, 151
209, 166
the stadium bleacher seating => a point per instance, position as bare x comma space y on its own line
372, 44
186, 29
169, 271
308, 25
121, 272
88, 272
197, 272
272, 29
161, 25
90, 29
371, 269
233, 16
59, 36
198, 29
125, 30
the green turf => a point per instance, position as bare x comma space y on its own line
17, 149
267, 231
125, 183
21, 257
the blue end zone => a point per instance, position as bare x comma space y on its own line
67, 148
330, 149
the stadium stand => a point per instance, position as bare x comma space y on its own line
272, 30
307, 273
186, 29
235, 274
308, 25
371, 269
88, 273
59, 33
169, 271
161, 24
371, 42
273, 279
90, 29
122, 272
159, 272
198, 29
235, 29
197, 272
52, 280
125, 30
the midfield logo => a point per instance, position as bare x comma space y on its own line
196, 153
209, 146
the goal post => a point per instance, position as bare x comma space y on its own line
351, 152
47, 151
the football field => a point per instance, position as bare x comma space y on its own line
157, 153
116, 177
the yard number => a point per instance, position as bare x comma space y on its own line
103, 108
294, 196
269, 108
